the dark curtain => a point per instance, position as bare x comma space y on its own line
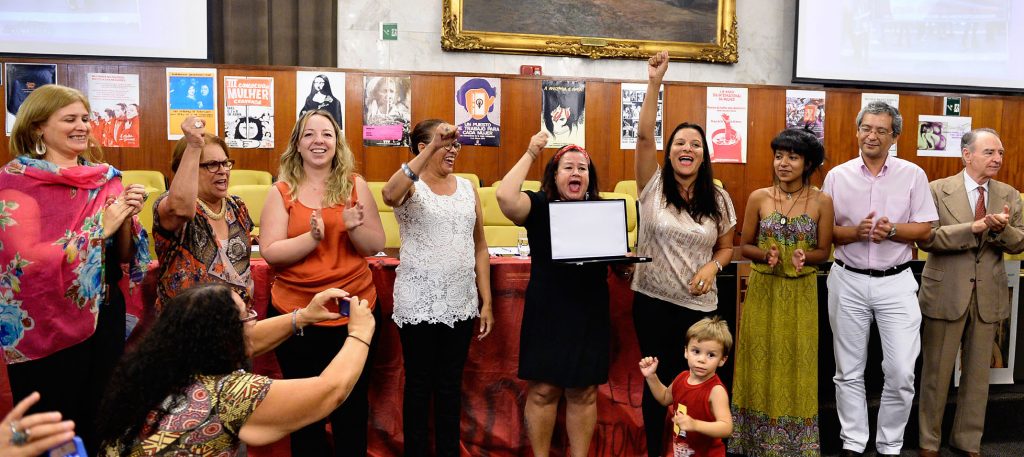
274, 32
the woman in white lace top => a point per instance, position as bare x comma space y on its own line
443, 278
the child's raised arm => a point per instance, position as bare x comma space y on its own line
721, 427
649, 368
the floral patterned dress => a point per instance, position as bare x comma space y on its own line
775, 387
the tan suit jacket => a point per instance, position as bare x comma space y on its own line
958, 259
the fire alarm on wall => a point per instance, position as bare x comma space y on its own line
530, 70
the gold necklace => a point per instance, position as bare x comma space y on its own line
216, 216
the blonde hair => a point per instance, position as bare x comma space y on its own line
339, 184
37, 109
714, 329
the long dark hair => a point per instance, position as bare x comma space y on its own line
548, 181
199, 332
704, 202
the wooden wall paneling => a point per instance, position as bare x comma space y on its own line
520, 120
1012, 135
354, 121
604, 112
841, 108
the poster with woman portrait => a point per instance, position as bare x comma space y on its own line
324, 90
562, 112
191, 92
478, 111
22, 79
939, 136
114, 99
249, 112
386, 113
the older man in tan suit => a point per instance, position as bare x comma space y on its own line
964, 291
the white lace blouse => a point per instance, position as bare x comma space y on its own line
436, 280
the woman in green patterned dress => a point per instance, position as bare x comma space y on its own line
787, 228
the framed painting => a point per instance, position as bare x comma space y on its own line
696, 30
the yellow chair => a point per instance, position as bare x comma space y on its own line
244, 177
630, 213
498, 229
146, 219
471, 177
254, 196
627, 187
392, 238
148, 178
527, 185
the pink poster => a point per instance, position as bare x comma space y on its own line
727, 124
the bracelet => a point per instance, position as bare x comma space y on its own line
718, 264
295, 327
532, 154
409, 173
359, 340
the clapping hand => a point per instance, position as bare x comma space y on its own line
865, 226
997, 222
316, 225
799, 256
881, 231
353, 215
772, 258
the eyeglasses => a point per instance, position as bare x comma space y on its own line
879, 131
250, 316
454, 147
213, 166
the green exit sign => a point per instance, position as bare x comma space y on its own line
952, 106
389, 31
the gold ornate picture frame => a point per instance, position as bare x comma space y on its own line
696, 30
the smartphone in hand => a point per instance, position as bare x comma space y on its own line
73, 448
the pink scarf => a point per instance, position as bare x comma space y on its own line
52, 254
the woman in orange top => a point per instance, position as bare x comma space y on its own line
318, 225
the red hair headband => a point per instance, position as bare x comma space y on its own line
570, 148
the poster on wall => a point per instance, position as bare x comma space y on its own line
386, 113
114, 99
249, 112
321, 90
727, 124
939, 136
892, 99
478, 111
22, 79
632, 97
562, 112
191, 92
806, 108
1004, 345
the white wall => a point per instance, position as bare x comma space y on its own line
765, 46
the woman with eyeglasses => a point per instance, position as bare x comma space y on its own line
319, 224
442, 284
183, 389
201, 232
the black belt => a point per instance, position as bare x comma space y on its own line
875, 273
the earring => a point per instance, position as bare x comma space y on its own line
40, 147
586, 196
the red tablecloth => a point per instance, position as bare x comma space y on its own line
493, 398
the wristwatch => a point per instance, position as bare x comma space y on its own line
892, 232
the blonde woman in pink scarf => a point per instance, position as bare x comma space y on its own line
66, 226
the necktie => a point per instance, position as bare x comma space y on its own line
979, 208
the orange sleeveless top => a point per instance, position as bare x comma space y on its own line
334, 263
